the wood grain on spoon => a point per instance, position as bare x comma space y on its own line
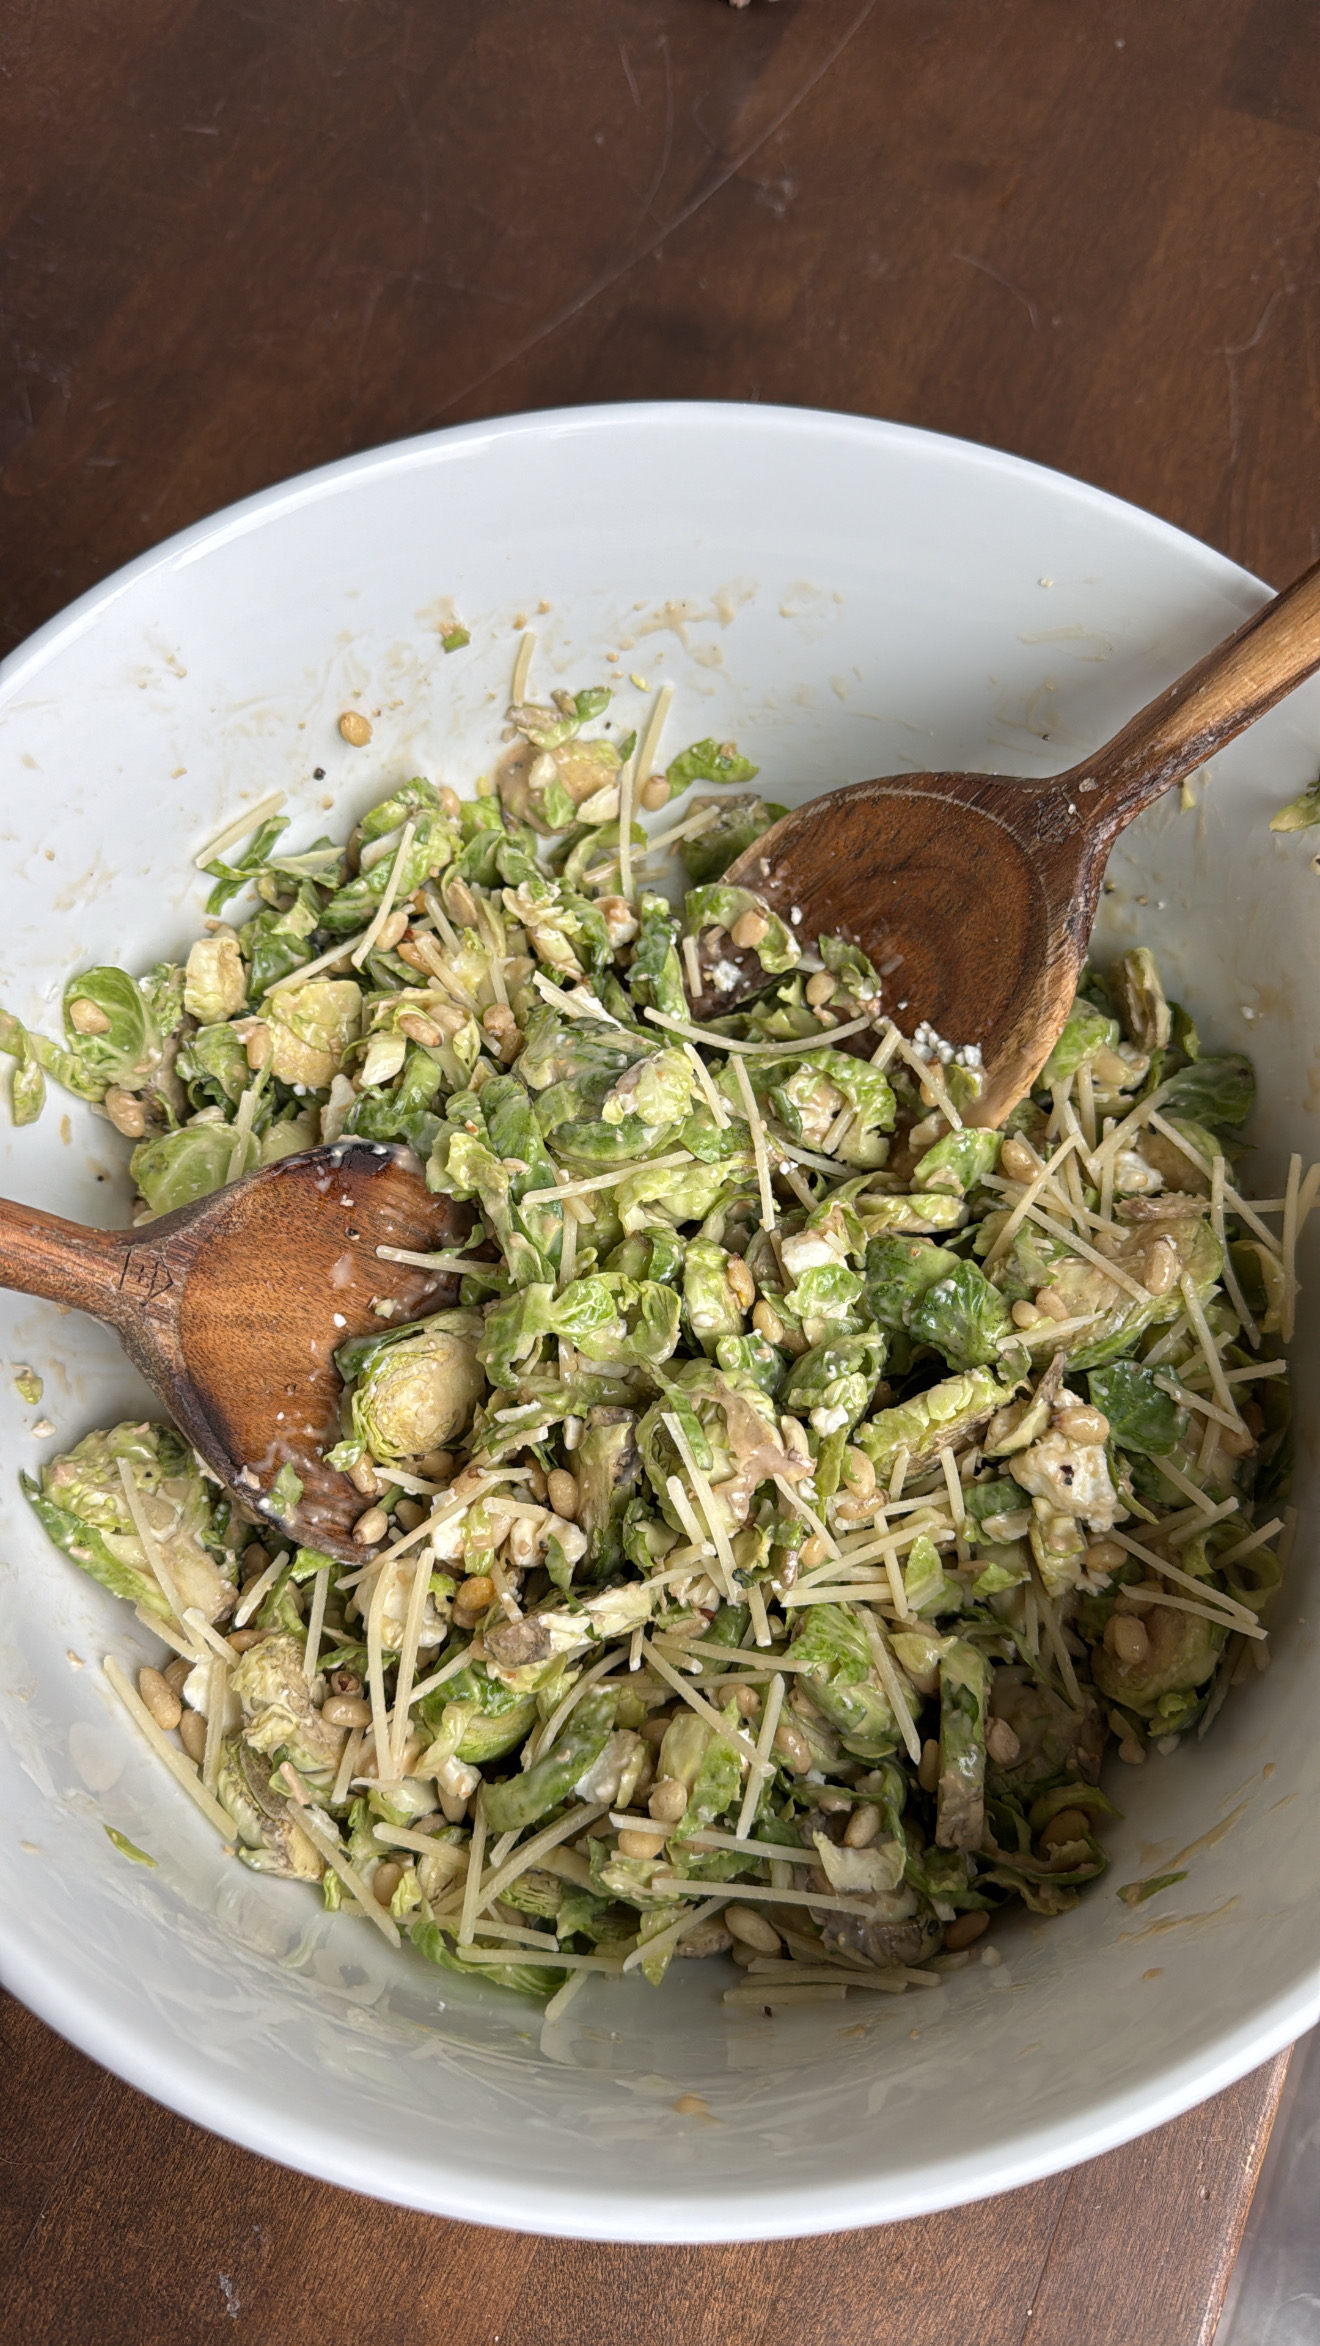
975, 893
232, 1308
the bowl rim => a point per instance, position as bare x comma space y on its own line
183, 2081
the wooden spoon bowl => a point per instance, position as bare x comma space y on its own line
974, 894
233, 1307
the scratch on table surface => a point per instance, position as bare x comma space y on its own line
974, 261
611, 276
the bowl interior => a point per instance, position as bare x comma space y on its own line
845, 599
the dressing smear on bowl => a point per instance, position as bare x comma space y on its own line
808, 1485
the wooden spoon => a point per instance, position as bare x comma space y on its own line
974, 893
232, 1309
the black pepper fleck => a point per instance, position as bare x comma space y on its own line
318, 773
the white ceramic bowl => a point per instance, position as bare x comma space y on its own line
847, 598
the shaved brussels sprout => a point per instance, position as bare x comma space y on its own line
81, 1501
738, 823
416, 1391
940, 1419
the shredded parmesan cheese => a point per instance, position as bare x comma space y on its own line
261, 1587
1287, 1309
309, 969
774, 1703
760, 1618
325, 1840
522, 666
705, 1498
1237, 1615
563, 1997
180, 1768
376, 1673
716, 1042
1244, 1547
386, 905
889, 1679
1027, 1201
594, 1181
1209, 1349
692, 967
1228, 1274
1089, 1254
316, 1623
1054, 1636
665, 1939
241, 828
808, 1514
1247, 1627
531, 1853
348, 1766
403, 1685
753, 1114
731, 1735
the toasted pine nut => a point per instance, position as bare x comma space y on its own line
450, 802
385, 1881
370, 1527
537, 1484
1082, 1424
562, 1491
363, 1476
475, 1597
1019, 1163
160, 1699
498, 1019
792, 1745
192, 1735
418, 1028
258, 1046
1001, 1742
392, 931
748, 1701
863, 1826
177, 1674
125, 1112
858, 1473
461, 902
346, 1710
635, 1844
407, 1514
1127, 1638
820, 986
1053, 1305
412, 953
1104, 1556
1132, 1752
750, 929
1069, 1825
928, 1774
965, 1928
88, 1018
242, 1639
814, 1551
742, 1286
752, 1929
448, 1018
767, 1323
668, 1800
355, 728
1160, 1272
654, 792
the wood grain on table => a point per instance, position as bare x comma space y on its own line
239, 240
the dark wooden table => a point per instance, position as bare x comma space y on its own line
241, 239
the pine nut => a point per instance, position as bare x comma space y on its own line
538, 1484
258, 1046
668, 1800
461, 903
1001, 1742
1127, 1638
1132, 1752
125, 1112
419, 1029
814, 1551
408, 950
858, 1473
742, 1954
392, 931
562, 1492
1018, 1162
448, 1018
965, 1928
255, 1560
742, 1286
748, 1701
635, 1844
1104, 1556
1025, 1315
88, 1018
498, 1019
653, 1731
820, 987
242, 1639
792, 1745
863, 1826
750, 929
654, 792
177, 1675
355, 728
450, 802
363, 1476
1082, 1424
1069, 1825
192, 1735
160, 1699
385, 1881
928, 1774
1052, 1304
752, 1929
1161, 1268
475, 1597
346, 1710
370, 1527
767, 1323
407, 1514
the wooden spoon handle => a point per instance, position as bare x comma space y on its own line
1216, 700
92, 1270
